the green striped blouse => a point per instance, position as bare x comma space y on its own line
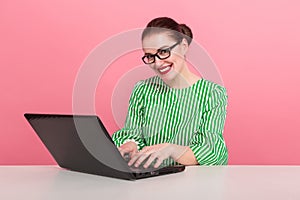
192, 116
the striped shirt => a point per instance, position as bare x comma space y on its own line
192, 116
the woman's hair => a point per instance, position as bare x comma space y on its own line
166, 24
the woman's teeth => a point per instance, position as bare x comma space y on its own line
165, 69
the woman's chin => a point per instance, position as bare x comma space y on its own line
167, 77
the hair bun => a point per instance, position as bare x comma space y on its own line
184, 29
177, 31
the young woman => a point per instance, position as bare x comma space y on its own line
175, 116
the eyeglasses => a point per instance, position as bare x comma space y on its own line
162, 54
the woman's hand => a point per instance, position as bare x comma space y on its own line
128, 148
159, 153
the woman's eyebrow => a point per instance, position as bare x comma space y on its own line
165, 46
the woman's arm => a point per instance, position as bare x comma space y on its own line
187, 157
208, 144
132, 130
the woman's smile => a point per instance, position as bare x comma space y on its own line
165, 69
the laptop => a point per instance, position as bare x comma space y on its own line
81, 143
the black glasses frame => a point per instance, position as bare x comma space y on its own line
168, 49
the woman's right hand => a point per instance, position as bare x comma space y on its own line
128, 148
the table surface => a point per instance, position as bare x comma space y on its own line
196, 182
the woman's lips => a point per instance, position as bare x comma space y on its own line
165, 69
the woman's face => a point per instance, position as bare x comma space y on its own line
168, 69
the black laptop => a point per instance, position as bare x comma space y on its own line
81, 143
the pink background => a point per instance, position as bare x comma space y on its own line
255, 45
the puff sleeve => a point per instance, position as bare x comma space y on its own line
132, 130
207, 142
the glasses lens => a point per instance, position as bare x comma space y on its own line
148, 59
163, 53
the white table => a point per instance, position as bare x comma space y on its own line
208, 183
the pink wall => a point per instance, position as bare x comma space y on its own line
255, 45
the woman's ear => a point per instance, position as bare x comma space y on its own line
184, 46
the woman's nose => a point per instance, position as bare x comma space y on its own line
158, 62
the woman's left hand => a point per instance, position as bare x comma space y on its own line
158, 152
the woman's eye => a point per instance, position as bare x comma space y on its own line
163, 52
149, 56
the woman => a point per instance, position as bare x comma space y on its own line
176, 116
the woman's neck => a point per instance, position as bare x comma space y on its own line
184, 79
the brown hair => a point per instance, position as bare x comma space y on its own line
163, 24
